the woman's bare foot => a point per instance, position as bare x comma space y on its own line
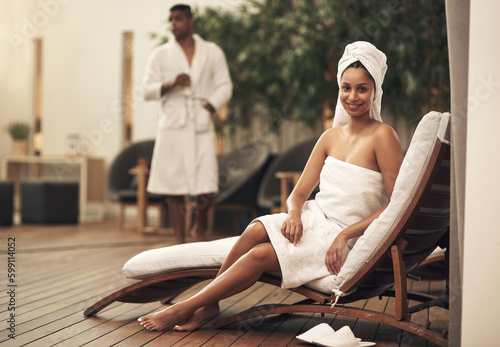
165, 319
199, 317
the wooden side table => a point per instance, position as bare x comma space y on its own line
88, 171
142, 173
288, 180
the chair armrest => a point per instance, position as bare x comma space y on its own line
288, 181
142, 173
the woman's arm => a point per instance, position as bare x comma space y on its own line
389, 157
309, 179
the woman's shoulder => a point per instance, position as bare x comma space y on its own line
380, 131
329, 135
332, 132
385, 138
383, 130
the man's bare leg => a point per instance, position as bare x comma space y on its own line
177, 210
240, 276
253, 235
203, 203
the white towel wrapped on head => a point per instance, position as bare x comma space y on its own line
375, 62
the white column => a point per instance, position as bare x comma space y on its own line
482, 207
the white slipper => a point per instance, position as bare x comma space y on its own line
341, 338
317, 332
324, 335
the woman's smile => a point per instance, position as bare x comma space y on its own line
353, 106
356, 91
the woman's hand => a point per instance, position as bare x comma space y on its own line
292, 227
333, 258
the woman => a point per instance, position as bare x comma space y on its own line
356, 163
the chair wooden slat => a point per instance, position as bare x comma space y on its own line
437, 199
418, 241
440, 152
430, 222
444, 175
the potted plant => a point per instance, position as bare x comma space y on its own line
19, 132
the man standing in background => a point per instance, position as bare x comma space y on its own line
190, 78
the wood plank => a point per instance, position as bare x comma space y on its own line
206, 334
231, 334
63, 269
75, 330
112, 328
381, 332
56, 313
32, 295
265, 327
420, 317
289, 327
314, 320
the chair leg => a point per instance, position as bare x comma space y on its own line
146, 220
254, 213
162, 214
189, 214
121, 218
236, 219
401, 296
210, 220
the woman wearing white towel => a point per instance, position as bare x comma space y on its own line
356, 164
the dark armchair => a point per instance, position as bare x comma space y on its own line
122, 185
292, 160
240, 174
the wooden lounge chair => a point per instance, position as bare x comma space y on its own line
435, 266
414, 224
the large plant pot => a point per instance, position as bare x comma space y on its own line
19, 147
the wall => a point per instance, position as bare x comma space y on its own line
15, 70
82, 52
482, 228
82, 73
82, 68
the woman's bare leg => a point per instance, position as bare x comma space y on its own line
253, 235
238, 277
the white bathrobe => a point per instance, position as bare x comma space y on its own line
184, 159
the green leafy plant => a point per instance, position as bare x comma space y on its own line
19, 130
283, 55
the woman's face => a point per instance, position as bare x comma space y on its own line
357, 91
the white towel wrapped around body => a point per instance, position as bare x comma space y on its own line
348, 193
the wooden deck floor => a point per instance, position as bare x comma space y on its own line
61, 270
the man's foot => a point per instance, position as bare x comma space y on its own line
180, 240
165, 319
199, 317
197, 234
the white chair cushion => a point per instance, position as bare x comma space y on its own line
209, 254
433, 125
179, 257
